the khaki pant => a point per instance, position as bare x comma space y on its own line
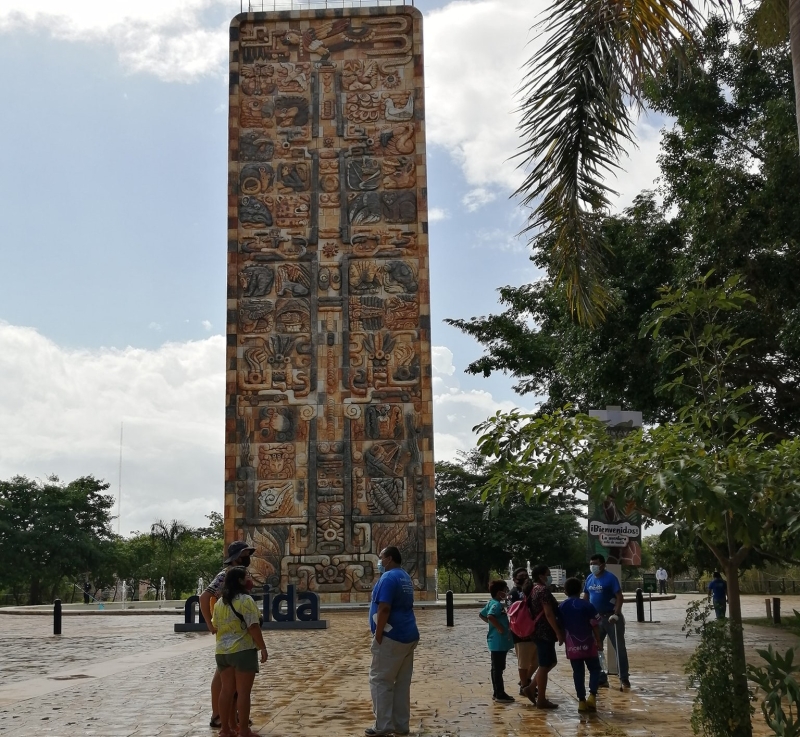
390, 684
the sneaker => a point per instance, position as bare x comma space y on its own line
583, 706
504, 698
625, 683
591, 702
603, 682
371, 732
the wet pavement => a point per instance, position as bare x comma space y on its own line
124, 676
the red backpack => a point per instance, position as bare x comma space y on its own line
520, 620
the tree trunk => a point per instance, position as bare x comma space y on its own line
481, 579
737, 640
794, 35
35, 594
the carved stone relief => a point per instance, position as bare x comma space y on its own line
329, 454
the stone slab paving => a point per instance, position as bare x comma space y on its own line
120, 677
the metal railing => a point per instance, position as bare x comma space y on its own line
261, 6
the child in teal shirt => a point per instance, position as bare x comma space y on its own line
498, 638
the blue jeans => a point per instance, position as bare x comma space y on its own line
720, 608
579, 675
616, 633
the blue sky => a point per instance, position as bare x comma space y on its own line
112, 233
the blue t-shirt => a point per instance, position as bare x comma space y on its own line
718, 589
602, 591
396, 589
496, 641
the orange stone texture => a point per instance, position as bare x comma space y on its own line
329, 412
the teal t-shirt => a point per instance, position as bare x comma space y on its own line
496, 641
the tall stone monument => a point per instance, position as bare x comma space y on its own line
329, 428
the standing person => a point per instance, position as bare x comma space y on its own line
582, 638
545, 633
239, 640
603, 590
87, 587
661, 577
718, 593
498, 638
524, 647
395, 637
239, 553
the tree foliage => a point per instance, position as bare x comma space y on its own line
730, 178
710, 474
475, 536
50, 530
579, 97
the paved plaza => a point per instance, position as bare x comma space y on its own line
118, 676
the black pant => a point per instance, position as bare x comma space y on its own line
498, 666
662, 587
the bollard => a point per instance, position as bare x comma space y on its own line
768, 604
449, 607
57, 617
776, 610
639, 606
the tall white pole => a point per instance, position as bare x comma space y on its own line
119, 485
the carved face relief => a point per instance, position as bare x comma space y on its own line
276, 461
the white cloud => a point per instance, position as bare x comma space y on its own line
207, 325
477, 198
154, 326
171, 39
474, 54
65, 419
500, 240
437, 213
455, 410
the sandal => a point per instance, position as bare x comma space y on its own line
215, 722
546, 705
249, 733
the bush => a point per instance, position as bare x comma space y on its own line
716, 712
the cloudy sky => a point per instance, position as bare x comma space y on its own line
113, 242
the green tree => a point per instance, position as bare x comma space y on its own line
710, 473
51, 531
168, 537
475, 536
579, 94
730, 175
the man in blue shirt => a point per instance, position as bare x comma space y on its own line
718, 593
602, 589
395, 636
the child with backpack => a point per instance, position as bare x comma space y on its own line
498, 638
580, 620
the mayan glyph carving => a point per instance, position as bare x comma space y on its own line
329, 453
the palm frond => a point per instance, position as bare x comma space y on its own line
576, 118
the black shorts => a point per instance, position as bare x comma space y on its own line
547, 653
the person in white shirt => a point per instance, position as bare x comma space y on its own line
661, 577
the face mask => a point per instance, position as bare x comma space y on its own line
595, 569
381, 569
244, 561
549, 580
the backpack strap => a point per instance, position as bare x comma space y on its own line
238, 616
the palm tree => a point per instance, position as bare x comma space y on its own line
576, 115
169, 535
